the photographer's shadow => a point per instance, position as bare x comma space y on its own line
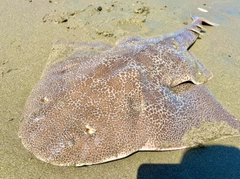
208, 162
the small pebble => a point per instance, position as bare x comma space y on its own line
99, 8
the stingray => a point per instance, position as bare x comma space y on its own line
96, 103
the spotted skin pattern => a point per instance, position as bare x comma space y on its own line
103, 103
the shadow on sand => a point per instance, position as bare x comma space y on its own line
208, 162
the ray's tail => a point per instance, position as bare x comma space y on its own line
197, 24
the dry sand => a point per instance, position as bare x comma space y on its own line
28, 28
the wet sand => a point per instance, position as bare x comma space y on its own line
28, 30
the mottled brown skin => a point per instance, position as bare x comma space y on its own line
105, 103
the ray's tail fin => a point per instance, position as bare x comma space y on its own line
183, 39
196, 25
199, 20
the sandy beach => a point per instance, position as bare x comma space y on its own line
30, 27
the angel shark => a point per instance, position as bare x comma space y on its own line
98, 103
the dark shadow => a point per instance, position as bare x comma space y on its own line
210, 162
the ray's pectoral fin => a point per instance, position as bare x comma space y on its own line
183, 39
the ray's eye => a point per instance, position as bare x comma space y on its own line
89, 130
45, 99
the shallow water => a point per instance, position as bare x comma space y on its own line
28, 30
